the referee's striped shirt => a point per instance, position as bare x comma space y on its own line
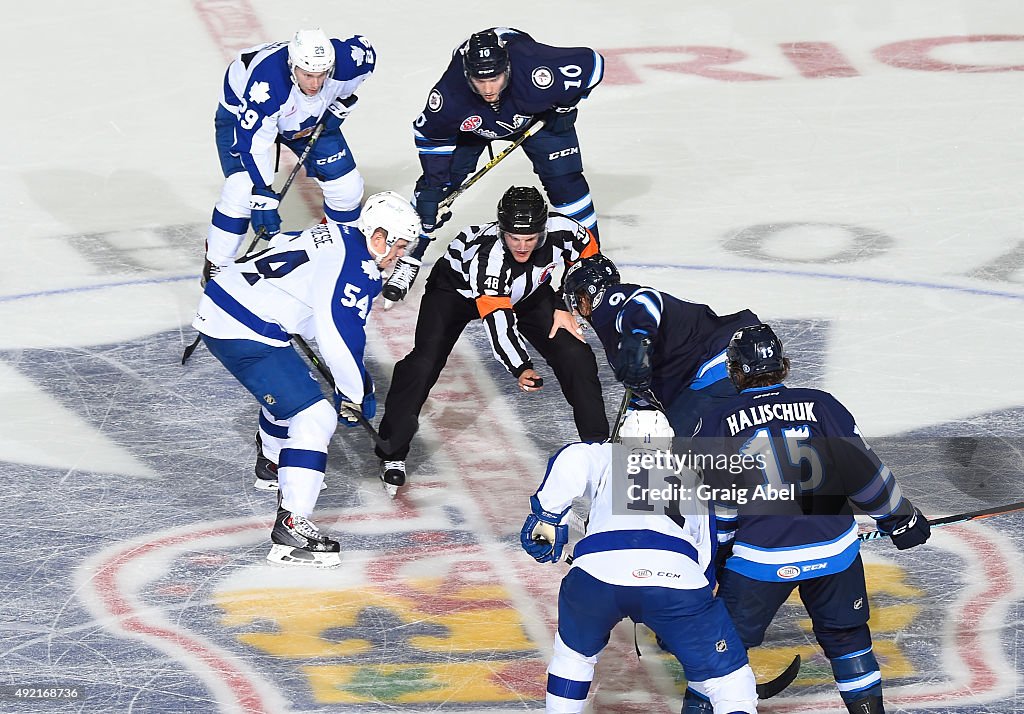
495, 281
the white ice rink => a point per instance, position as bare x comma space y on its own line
850, 170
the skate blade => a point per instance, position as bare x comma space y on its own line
388, 304
392, 489
298, 558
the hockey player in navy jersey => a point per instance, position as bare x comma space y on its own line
809, 443
660, 346
498, 82
499, 273
648, 566
319, 284
278, 92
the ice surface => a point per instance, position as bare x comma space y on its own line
849, 170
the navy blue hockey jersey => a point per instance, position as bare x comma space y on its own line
542, 79
688, 340
805, 443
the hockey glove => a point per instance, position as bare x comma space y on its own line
427, 200
263, 203
350, 411
542, 536
633, 364
913, 532
338, 111
369, 397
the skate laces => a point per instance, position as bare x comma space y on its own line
394, 466
303, 526
405, 271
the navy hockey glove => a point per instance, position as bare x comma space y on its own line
338, 111
263, 203
914, 532
633, 364
542, 536
427, 200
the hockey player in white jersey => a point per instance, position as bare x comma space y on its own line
650, 567
278, 92
319, 284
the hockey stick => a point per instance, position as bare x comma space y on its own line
533, 129
325, 373
769, 689
262, 230
626, 396
958, 518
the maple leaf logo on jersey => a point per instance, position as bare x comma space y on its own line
371, 270
259, 92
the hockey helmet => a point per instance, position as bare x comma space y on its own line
484, 56
394, 214
649, 427
755, 350
312, 51
589, 277
523, 211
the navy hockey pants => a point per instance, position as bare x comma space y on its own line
685, 410
693, 624
837, 604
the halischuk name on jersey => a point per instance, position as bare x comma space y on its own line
812, 442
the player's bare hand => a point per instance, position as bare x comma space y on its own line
565, 321
530, 381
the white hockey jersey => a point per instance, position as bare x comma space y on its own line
319, 284
625, 549
258, 89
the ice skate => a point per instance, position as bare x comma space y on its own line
298, 542
266, 470
392, 475
400, 282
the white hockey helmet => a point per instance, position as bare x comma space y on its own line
394, 214
647, 427
312, 51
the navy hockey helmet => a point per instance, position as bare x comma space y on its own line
589, 277
756, 350
522, 210
484, 56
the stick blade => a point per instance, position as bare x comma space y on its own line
774, 686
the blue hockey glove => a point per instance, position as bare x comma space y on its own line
263, 203
349, 411
633, 363
427, 200
542, 536
338, 111
914, 531
369, 397
543, 541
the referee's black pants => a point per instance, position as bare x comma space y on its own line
443, 315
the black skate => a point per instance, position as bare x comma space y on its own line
298, 542
401, 279
266, 470
392, 474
